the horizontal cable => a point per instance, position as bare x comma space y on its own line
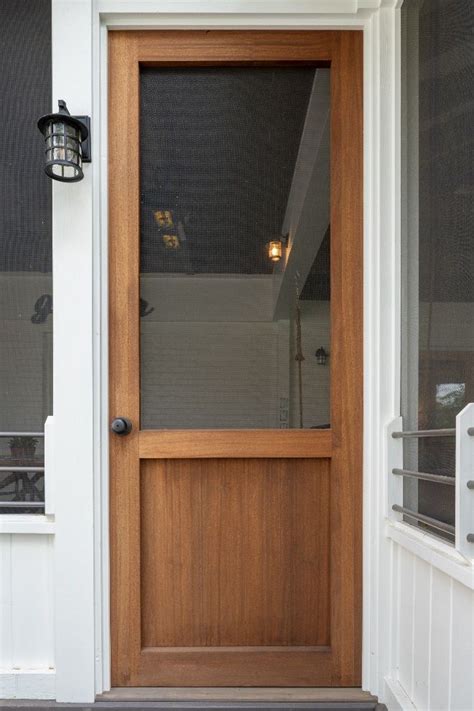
440, 525
425, 433
22, 504
21, 434
26, 470
438, 478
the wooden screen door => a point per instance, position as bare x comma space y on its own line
235, 499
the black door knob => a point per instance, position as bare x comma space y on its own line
121, 426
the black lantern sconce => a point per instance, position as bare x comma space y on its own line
321, 356
67, 144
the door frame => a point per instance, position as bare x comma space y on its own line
81, 582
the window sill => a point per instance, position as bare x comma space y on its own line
437, 553
27, 523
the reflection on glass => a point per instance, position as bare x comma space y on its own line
234, 247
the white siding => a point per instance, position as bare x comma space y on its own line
26, 604
434, 658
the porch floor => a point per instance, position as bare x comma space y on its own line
222, 699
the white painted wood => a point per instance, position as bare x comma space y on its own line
433, 550
409, 138
49, 466
238, 7
31, 600
26, 523
433, 660
440, 641
394, 461
406, 621
422, 632
5, 602
27, 684
26, 616
395, 696
465, 473
462, 646
382, 592
73, 373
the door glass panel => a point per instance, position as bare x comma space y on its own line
234, 247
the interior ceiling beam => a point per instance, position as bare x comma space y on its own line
307, 214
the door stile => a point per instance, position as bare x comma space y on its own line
124, 355
347, 354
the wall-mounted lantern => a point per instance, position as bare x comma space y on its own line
275, 248
67, 144
321, 356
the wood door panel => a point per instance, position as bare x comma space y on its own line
235, 552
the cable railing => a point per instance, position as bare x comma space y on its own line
22, 474
462, 480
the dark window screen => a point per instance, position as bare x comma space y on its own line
25, 252
231, 159
438, 246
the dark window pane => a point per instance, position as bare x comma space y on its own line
231, 159
438, 220
25, 250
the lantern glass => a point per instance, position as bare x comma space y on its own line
275, 250
321, 356
63, 136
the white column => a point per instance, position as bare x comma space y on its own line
73, 372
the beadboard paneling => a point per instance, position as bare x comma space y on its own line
26, 600
434, 621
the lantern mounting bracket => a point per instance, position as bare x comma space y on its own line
86, 142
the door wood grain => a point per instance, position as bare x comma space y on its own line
236, 557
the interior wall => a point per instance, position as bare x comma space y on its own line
25, 353
212, 355
315, 332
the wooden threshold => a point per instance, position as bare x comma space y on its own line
230, 694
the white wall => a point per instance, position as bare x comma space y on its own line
433, 645
26, 616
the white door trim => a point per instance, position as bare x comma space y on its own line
80, 290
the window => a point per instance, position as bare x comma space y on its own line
25, 254
437, 242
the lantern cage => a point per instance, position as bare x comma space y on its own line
66, 144
275, 250
321, 356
